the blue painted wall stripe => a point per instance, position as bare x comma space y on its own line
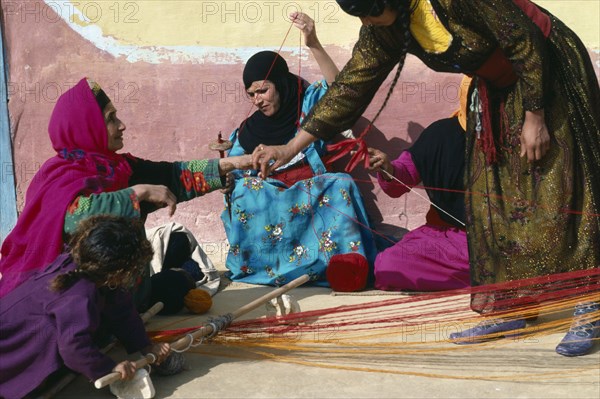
8, 197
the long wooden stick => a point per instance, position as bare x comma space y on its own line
183, 342
68, 378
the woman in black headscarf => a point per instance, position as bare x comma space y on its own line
270, 240
276, 97
281, 98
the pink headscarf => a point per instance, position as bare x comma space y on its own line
83, 165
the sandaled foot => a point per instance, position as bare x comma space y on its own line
584, 330
488, 330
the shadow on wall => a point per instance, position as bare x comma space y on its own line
367, 180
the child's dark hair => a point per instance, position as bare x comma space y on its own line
108, 250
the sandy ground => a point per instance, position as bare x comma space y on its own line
527, 368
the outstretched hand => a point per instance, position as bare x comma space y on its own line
379, 160
158, 195
268, 158
307, 27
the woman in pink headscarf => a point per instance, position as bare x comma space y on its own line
87, 177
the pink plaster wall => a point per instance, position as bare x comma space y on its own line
173, 111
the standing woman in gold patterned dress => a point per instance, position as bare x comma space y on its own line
533, 136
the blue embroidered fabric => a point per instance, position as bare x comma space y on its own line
277, 234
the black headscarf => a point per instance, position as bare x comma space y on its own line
439, 155
362, 8
281, 127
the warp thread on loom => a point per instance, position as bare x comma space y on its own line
392, 335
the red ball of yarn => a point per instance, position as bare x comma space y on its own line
347, 272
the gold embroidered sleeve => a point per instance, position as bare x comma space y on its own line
373, 57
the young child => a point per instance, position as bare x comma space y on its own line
58, 316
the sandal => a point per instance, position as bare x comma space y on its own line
488, 330
584, 330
